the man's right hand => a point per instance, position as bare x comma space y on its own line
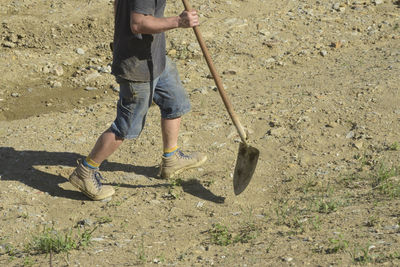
188, 19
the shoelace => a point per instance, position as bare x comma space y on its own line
97, 177
183, 156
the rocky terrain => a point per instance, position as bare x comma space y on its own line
315, 84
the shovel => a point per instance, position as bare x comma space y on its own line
247, 158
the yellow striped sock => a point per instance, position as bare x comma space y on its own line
169, 150
92, 163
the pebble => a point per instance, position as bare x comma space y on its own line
377, 2
392, 227
9, 44
202, 90
87, 222
323, 53
80, 51
358, 144
270, 60
92, 76
58, 70
15, 95
200, 204
350, 135
55, 84
287, 259
90, 88
115, 88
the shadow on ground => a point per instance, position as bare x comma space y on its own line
20, 166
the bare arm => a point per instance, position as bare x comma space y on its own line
147, 24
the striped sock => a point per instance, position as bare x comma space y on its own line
88, 162
168, 152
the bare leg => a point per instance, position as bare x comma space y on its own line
170, 131
107, 143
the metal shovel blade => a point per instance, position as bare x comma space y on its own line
245, 166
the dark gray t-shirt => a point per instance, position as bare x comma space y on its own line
137, 57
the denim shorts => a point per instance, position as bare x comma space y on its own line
135, 98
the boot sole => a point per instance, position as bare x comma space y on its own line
72, 181
171, 175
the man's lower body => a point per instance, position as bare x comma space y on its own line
134, 101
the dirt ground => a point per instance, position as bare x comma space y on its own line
315, 84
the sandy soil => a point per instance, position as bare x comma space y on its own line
315, 84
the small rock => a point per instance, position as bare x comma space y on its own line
392, 227
350, 135
336, 6
264, 32
115, 88
172, 52
270, 60
278, 132
377, 2
8, 44
55, 84
93, 75
90, 88
231, 72
358, 144
80, 51
15, 95
58, 70
287, 259
106, 199
193, 47
87, 222
13, 38
202, 90
323, 53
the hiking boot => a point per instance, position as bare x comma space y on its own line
179, 162
88, 181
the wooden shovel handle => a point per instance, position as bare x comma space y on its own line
217, 79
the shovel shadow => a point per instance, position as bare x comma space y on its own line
195, 188
22, 165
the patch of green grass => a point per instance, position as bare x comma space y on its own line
220, 235
172, 186
372, 221
339, 244
11, 251
51, 240
176, 182
282, 212
28, 261
316, 223
362, 255
349, 180
327, 206
246, 233
141, 253
104, 219
309, 185
384, 173
384, 184
395, 146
